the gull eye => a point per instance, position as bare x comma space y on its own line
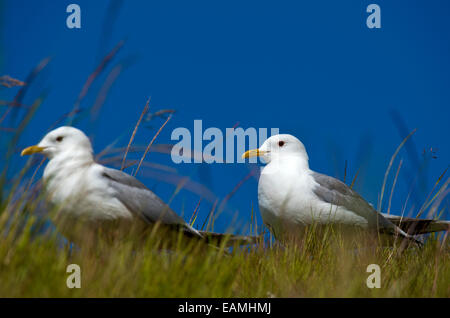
59, 138
281, 143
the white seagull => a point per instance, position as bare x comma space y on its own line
291, 196
95, 196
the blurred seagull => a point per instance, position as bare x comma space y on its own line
95, 195
290, 196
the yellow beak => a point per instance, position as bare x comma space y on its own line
31, 150
252, 153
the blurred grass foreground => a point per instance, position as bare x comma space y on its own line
34, 258
35, 266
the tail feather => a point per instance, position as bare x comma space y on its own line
418, 226
229, 239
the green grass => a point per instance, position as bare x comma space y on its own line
325, 263
320, 265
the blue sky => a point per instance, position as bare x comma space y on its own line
312, 69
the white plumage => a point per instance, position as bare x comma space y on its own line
291, 195
94, 196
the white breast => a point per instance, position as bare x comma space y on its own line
286, 197
80, 191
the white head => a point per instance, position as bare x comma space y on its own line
279, 147
66, 141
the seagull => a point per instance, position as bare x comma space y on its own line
98, 197
292, 196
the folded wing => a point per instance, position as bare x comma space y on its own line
142, 202
336, 192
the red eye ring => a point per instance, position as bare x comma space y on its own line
281, 143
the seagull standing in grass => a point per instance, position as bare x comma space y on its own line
95, 196
292, 196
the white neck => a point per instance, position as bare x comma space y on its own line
287, 163
66, 162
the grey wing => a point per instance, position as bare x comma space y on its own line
141, 201
338, 193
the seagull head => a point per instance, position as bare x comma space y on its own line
279, 147
67, 141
